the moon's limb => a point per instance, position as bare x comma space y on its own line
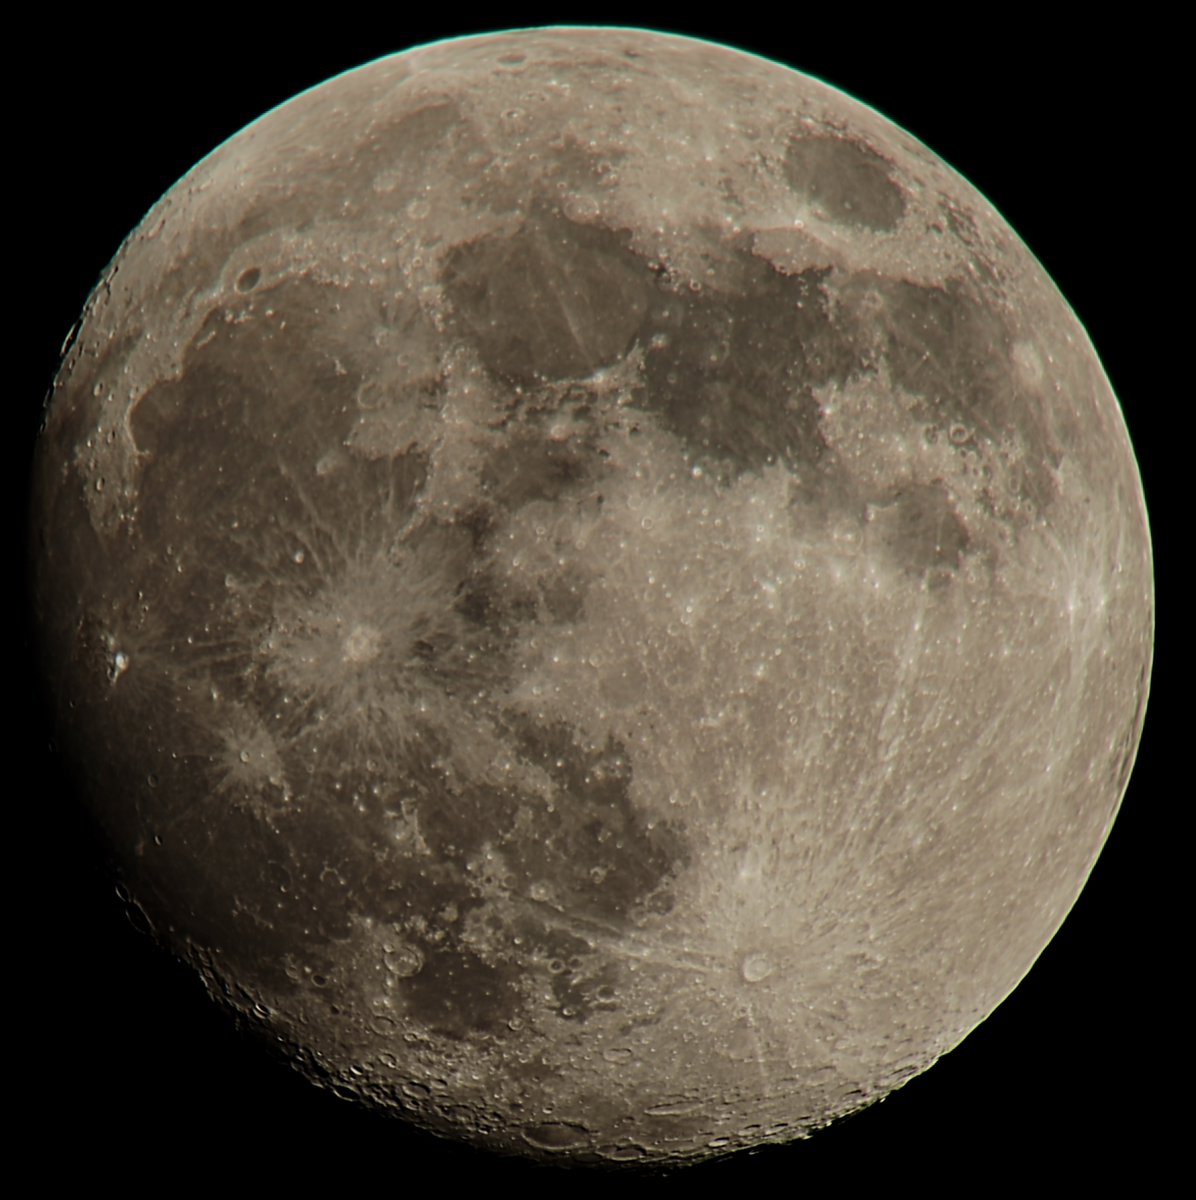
618, 498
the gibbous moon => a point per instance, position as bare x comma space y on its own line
599, 594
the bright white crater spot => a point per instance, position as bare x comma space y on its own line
362, 644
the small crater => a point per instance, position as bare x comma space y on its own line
249, 279
756, 967
362, 644
556, 1135
682, 1107
628, 1152
404, 961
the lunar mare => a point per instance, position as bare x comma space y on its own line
598, 591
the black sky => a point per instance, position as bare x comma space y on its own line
133, 1073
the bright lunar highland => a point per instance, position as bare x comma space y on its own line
598, 592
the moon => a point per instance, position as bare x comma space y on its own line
347, 629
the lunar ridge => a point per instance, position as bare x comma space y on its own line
598, 591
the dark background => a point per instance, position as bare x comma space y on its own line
119, 1060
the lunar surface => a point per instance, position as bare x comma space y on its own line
600, 595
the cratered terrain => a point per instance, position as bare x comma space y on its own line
615, 631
